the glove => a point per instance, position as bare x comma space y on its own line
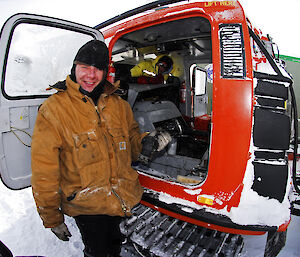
62, 232
163, 139
153, 143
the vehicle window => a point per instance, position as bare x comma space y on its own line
260, 61
39, 56
201, 81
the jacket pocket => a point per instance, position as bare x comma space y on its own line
87, 148
121, 144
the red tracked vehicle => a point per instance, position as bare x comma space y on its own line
232, 121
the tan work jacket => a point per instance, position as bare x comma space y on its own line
82, 154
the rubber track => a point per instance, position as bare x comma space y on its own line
156, 234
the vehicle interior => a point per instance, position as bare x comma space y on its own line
182, 103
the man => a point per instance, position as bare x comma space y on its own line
154, 71
162, 70
84, 141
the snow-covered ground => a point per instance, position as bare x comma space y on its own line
254, 245
21, 230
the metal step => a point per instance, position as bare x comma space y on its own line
156, 234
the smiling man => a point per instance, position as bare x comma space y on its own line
88, 76
84, 141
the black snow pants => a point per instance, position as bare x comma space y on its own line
100, 234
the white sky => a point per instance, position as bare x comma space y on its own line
278, 18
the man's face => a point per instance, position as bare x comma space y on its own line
162, 67
88, 77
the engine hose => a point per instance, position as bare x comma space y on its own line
295, 117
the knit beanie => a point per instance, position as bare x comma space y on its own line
93, 53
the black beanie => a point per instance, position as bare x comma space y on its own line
93, 53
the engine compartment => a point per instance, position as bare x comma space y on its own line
186, 158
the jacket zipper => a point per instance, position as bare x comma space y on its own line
95, 106
123, 205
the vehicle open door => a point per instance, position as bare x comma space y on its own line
35, 52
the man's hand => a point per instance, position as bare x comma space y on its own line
153, 143
62, 232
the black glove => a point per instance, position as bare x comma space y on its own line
62, 232
153, 143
